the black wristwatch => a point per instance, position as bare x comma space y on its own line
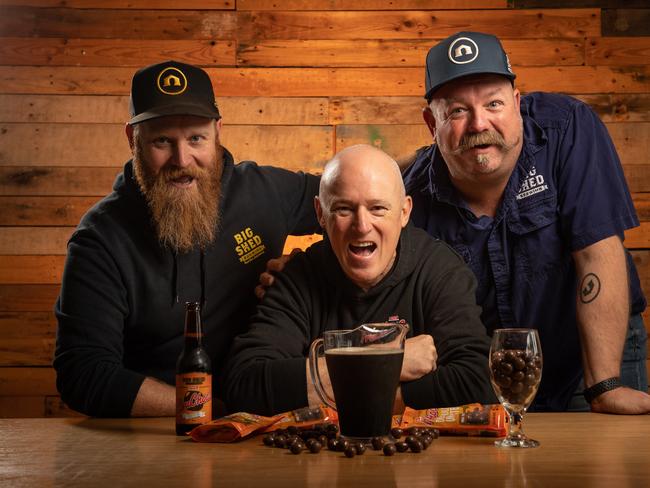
601, 387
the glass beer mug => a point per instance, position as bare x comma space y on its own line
364, 366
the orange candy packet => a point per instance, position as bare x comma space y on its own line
240, 425
473, 419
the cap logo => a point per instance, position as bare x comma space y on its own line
171, 81
463, 50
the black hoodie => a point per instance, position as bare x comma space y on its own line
429, 287
122, 301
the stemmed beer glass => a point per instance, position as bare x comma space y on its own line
515, 372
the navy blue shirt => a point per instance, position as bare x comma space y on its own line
566, 192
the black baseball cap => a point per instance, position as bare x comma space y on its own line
463, 54
171, 88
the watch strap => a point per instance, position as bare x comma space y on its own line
601, 387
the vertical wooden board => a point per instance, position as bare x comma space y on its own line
435, 24
329, 5
19, 241
113, 52
31, 269
28, 298
50, 211
626, 21
27, 381
399, 141
52, 181
117, 23
618, 51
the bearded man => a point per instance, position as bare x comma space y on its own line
183, 224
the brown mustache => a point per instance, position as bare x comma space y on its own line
468, 141
168, 174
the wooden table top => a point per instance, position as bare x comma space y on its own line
577, 450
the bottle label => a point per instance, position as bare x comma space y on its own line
193, 398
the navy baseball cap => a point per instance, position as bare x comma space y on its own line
171, 88
463, 54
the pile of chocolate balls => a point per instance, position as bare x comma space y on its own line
414, 439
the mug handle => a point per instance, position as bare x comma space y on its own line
315, 373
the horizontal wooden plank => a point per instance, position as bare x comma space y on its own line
27, 382
577, 3
632, 140
627, 21
307, 82
408, 110
113, 52
367, 4
639, 237
127, 4
34, 240
642, 205
617, 51
637, 177
67, 211
31, 180
117, 23
54, 407
16, 325
620, 108
36, 211
294, 147
22, 407
415, 24
399, 52
31, 269
28, 298
96, 109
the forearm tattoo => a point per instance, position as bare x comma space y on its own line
589, 288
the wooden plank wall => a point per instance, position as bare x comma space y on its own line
297, 80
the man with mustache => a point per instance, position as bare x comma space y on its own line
372, 266
183, 224
530, 191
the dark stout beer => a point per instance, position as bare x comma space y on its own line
193, 376
364, 381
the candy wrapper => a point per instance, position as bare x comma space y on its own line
473, 419
240, 425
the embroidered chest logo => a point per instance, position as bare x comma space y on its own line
533, 184
249, 245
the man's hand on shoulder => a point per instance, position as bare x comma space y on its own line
420, 357
622, 401
274, 265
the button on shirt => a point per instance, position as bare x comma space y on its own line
566, 192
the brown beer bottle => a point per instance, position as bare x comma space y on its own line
193, 376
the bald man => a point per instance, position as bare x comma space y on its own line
372, 266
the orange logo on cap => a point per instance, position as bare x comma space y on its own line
171, 81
